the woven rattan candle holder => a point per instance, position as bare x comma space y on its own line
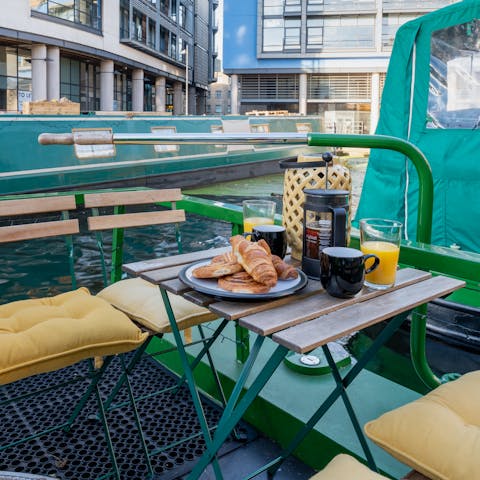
309, 171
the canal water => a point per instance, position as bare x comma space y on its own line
30, 269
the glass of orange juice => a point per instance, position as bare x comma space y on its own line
382, 238
257, 212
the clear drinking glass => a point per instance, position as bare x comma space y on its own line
382, 238
257, 212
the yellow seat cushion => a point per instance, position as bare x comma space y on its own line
438, 434
46, 334
142, 302
345, 467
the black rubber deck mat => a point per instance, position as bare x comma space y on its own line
82, 454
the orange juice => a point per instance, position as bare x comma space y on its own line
249, 223
388, 254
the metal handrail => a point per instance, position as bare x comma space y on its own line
425, 194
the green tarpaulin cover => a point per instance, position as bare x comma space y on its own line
432, 98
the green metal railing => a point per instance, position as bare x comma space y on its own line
425, 195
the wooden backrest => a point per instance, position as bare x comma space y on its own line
137, 219
26, 228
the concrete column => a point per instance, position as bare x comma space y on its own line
160, 94
39, 72
302, 94
106, 85
375, 105
137, 90
234, 94
178, 102
53, 73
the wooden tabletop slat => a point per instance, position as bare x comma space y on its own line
198, 298
175, 286
233, 310
315, 333
159, 276
136, 268
301, 310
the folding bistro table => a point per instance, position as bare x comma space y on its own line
307, 319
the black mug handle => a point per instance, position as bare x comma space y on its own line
375, 263
339, 226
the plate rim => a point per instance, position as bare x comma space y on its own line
225, 294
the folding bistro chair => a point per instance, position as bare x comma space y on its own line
141, 300
47, 334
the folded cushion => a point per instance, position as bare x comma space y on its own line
45, 334
142, 301
438, 434
345, 467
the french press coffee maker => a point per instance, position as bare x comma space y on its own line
325, 220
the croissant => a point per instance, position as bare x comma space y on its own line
221, 265
255, 260
284, 270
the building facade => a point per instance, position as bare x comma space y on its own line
108, 55
319, 57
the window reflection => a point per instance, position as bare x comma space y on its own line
15, 78
83, 12
454, 87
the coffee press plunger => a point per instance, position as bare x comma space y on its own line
325, 221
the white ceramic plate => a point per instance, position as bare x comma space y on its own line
210, 286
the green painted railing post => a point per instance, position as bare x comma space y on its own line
117, 249
424, 224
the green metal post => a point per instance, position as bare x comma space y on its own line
117, 249
424, 223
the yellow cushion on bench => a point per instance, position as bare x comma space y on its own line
45, 334
345, 467
438, 434
142, 301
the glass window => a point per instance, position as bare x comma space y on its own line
164, 36
273, 34
454, 87
173, 46
218, 109
83, 12
84, 152
161, 148
349, 32
15, 78
391, 22
182, 16
173, 10
151, 34
314, 33
292, 35
79, 82
140, 26
218, 94
293, 6
124, 21
164, 7
122, 91
314, 6
273, 7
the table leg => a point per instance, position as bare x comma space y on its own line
234, 411
191, 382
341, 386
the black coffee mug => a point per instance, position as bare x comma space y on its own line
342, 270
274, 235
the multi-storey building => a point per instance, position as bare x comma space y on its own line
108, 55
325, 57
